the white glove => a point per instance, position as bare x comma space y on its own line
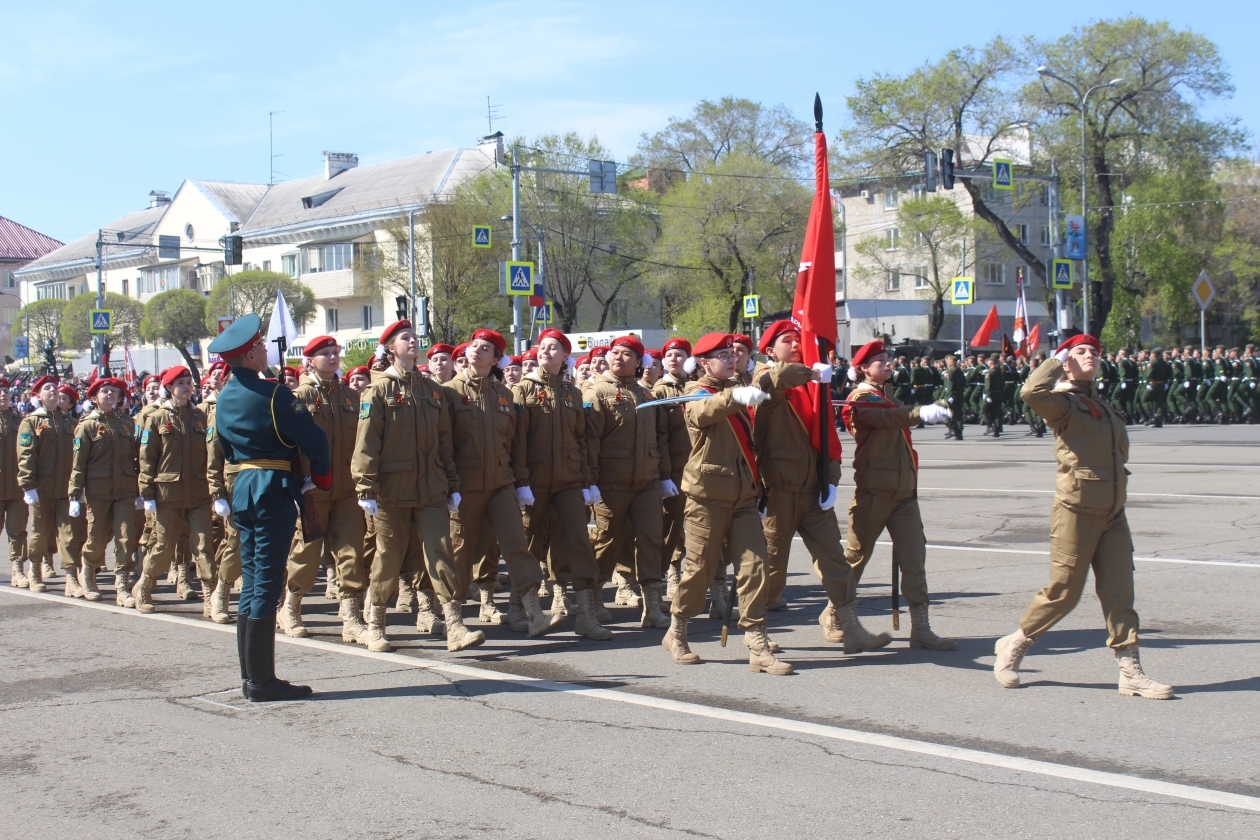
951, 400
1148, 387
1187, 383
150, 505
586, 496
824, 372
749, 395
1061, 356
369, 506
452, 504
524, 497
932, 414
986, 399
1124, 385
76, 509
596, 496
829, 502
308, 485
221, 508
139, 502
669, 489
30, 497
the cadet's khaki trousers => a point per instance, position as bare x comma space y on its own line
343, 534
110, 519
869, 515
789, 513
54, 530
15, 512
628, 527
228, 556
170, 523
557, 521
408, 538
1079, 541
485, 569
673, 550
497, 509
710, 530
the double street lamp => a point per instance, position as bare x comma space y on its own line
1046, 72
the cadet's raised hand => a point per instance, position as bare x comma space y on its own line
932, 414
822, 373
749, 395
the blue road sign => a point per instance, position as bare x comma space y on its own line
21, 349
1003, 179
962, 291
520, 278
542, 314
481, 236
101, 321
1062, 274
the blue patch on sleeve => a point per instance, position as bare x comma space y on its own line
144, 436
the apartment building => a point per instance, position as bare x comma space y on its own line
19, 246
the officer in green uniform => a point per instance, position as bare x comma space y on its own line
1158, 376
1250, 383
952, 388
251, 413
994, 382
1128, 384
974, 398
1176, 388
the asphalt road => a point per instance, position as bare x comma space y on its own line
114, 724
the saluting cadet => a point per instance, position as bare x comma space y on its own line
722, 487
1088, 526
553, 479
885, 470
335, 410
103, 479
673, 381
12, 508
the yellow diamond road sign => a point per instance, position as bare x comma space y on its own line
1203, 290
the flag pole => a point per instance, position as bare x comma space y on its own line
824, 401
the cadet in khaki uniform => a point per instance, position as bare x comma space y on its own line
787, 460
628, 458
13, 509
483, 423
885, 470
553, 479
103, 476
221, 476
1088, 526
722, 487
175, 488
335, 410
406, 481
674, 353
45, 450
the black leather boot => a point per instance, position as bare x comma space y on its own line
240, 653
260, 653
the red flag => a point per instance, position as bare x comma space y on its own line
985, 333
1034, 339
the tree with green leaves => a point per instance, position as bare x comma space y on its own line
128, 312
40, 321
176, 318
255, 291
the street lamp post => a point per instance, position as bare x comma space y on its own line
1045, 71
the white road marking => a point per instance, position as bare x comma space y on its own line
987, 550
216, 703
892, 742
1052, 492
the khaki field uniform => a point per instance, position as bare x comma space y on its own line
221, 476
483, 425
672, 549
45, 450
13, 509
335, 409
402, 459
788, 464
887, 480
173, 472
549, 457
1088, 527
721, 508
628, 458
104, 475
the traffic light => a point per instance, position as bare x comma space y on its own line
929, 171
947, 169
233, 248
401, 302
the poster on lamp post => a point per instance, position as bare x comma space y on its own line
1075, 238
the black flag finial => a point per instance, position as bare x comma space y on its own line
817, 112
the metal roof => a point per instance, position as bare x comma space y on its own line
236, 201
134, 229
18, 243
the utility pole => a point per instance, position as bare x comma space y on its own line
1063, 316
99, 340
518, 342
411, 260
538, 283
962, 307
271, 147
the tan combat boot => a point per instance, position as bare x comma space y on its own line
122, 589
921, 635
172, 576
73, 588
760, 656
672, 577
459, 637
1010, 651
427, 618
331, 590
601, 611
291, 616
652, 615
540, 623
406, 596
1133, 680
717, 599
560, 604
374, 637
544, 589
855, 637
587, 624
183, 591
36, 581
516, 618
353, 630
626, 596
142, 592
17, 577
830, 624
207, 600
221, 603
488, 613
87, 582
675, 642
47, 569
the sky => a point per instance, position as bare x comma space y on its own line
102, 102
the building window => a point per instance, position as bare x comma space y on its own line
266, 265
126, 292
10, 281
289, 264
1020, 232
1045, 235
371, 318
620, 313
892, 280
988, 194
161, 278
330, 320
892, 200
995, 274
56, 291
8, 316
918, 191
1043, 194
892, 239
189, 233
921, 277
335, 257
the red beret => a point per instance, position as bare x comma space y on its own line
172, 373
205, 380
69, 392
152, 377
552, 332
42, 381
713, 341
491, 336
530, 354
742, 339
582, 360
404, 324
869, 350
1079, 339
775, 330
318, 343
439, 348
424, 369
220, 364
4, 383
600, 351
654, 353
629, 341
516, 360
292, 371
354, 371
460, 350
112, 381
677, 343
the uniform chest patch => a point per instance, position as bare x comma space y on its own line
542, 397
25, 438
365, 410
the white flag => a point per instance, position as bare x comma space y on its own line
281, 325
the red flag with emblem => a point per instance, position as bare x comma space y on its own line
985, 334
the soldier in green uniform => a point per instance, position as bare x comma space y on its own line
1250, 380
1233, 397
994, 378
1036, 425
250, 415
955, 384
1176, 385
1128, 379
1218, 389
1158, 376
973, 400
903, 382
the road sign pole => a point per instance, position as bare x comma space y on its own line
516, 244
962, 332
1202, 330
99, 343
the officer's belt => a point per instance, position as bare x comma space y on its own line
266, 464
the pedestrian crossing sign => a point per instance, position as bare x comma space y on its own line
962, 291
752, 306
1003, 179
101, 321
1062, 275
542, 314
482, 236
520, 278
